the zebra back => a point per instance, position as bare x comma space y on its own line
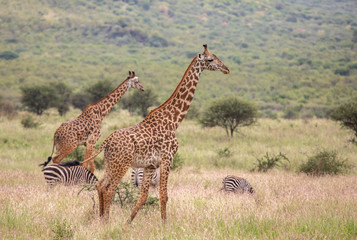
69, 173
137, 175
236, 184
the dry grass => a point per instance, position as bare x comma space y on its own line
286, 205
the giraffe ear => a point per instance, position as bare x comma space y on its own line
200, 57
129, 73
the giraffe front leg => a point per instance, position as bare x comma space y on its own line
164, 175
144, 192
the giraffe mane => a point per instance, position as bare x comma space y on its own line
173, 93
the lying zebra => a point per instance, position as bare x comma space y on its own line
68, 173
236, 185
137, 178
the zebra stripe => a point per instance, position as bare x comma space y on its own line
236, 185
68, 173
137, 177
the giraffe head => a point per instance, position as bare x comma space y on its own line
134, 81
209, 61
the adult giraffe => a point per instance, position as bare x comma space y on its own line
151, 143
85, 129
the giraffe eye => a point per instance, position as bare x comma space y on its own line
210, 60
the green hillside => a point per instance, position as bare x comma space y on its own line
282, 54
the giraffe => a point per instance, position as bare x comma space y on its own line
85, 129
152, 142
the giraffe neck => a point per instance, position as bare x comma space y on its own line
104, 105
172, 112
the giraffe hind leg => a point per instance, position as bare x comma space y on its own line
144, 192
108, 186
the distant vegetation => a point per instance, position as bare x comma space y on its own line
346, 114
293, 59
325, 162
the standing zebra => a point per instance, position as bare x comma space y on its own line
137, 178
236, 185
68, 173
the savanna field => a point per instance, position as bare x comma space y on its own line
295, 60
287, 204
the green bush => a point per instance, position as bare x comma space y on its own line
126, 195
224, 153
268, 162
342, 71
62, 230
8, 55
325, 162
29, 122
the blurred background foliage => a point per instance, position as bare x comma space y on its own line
294, 58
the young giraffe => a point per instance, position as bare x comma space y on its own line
151, 143
85, 129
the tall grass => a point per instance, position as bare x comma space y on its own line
287, 205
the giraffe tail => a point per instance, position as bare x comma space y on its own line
50, 157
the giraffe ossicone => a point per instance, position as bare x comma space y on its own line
85, 129
152, 142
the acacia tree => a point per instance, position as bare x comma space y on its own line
38, 98
346, 114
229, 113
140, 101
99, 89
64, 97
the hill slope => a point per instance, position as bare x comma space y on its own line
282, 54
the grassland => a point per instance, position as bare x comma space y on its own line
282, 54
287, 204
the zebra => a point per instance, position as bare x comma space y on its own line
68, 173
137, 178
236, 184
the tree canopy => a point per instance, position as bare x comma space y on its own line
38, 98
140, 102
229, 113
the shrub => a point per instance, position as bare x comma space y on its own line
342, 71
29, 122
126, 195
8, 55
224, 153
268, 162
325, 162
62, 230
